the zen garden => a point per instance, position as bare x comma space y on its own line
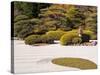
49, 31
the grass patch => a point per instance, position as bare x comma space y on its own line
75, 63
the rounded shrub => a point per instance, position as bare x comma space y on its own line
91, 34
94, 37
23, 28
56, 35
46, 39
32, 39
76, 40
67, 38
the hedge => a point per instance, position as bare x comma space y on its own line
66, 39
46, 39
92, 35
32, 39
56, 35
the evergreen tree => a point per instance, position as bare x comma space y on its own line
58, 16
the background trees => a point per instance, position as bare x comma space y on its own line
90, 17
29, 9
39, 18
65, 17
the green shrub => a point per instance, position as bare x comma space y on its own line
22, 34
32, 39
20, 17
46, 39
67, 38
40, 29
56, 35
76, 40
73, 31
23, 28
19, 26
92, 35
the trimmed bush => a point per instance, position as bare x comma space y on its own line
94, 37
56, 35
90, 34
32, 39
46, 39
76, 40
19, 26
66, 39
73, 31
24, 28
22, 34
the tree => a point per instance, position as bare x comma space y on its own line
58, 16
23, 28
23, 8
29, 9
38, 18
90, 17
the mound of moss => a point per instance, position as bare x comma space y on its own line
75, 63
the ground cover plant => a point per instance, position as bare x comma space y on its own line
75, 63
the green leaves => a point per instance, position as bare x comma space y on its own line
39, 18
